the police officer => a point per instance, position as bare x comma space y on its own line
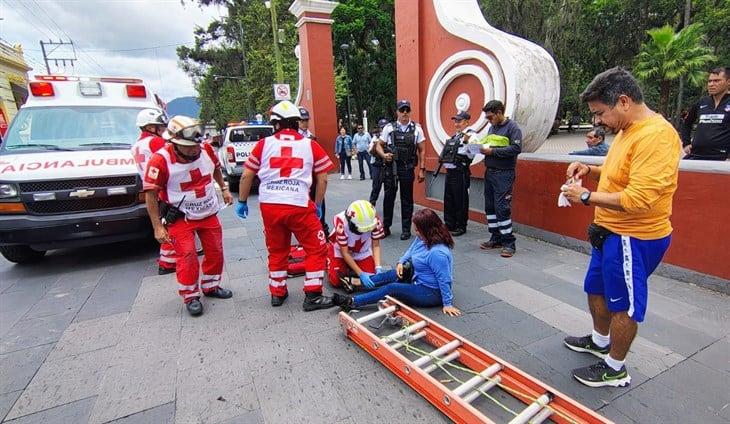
404, 149
500, 157
458, 177
711, 140
304, 131
378, 162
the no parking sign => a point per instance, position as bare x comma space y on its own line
282, 92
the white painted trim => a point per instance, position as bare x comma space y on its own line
305, 19
299, 7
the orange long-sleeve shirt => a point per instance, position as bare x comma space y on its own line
642, 164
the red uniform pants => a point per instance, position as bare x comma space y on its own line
182, 232
280, 222
167, 256
338, 267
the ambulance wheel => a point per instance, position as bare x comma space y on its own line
233, 183
21, 254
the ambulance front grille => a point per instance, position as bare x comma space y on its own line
99, 182
81, 205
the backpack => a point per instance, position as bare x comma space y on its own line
296, 261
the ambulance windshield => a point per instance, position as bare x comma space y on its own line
72, 128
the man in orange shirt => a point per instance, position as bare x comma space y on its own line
631, 230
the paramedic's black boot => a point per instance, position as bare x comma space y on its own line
314, 301
219, 293
194, 307
165, 271
344, 302
278, 300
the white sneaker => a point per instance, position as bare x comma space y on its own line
349, 177
342, 177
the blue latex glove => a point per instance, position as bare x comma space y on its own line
366, 281
319, 211
378, 269
242, 209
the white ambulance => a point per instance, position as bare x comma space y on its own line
67, 176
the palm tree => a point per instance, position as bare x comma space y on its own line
667, 56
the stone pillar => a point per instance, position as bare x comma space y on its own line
317, 75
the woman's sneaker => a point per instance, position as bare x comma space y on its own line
344, 302
585, 344
601, 374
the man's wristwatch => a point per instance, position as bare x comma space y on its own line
585, 197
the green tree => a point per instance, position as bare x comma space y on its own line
667, 56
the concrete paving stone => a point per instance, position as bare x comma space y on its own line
160, 337
570, 273
19, 367
527, 275
698, 296
342, 358
6, 282
521, 296
35, 332
313, 322
467, 298
566, 318
654, 403
246, 267
58, 303
13, 306
486, 259
77, 278
115, 292
207, 344
615, 415
238, 252
473, 275
89, 335
278, 346
245, 288
292, 394
712, 320
6, 402
715, 356
518, 326
60, 382
33, 286
73, 412
205, 397
257, 314
163, 414
249, 417
707, 387
235, 232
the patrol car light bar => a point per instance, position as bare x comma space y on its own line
42, 89
134, 90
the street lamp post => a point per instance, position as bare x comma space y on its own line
271, 5
344, 48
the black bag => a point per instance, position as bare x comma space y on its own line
597, 235
171, 213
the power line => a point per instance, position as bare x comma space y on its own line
138, 48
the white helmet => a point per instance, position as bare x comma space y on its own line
184, 130
284, 110
362, 215
151, 117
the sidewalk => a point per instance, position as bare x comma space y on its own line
93, 335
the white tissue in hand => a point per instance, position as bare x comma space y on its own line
562, 200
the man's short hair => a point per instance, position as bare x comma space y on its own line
721, 70
493, 106
609, 85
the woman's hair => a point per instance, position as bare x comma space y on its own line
432, 229
599, 132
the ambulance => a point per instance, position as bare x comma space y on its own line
67, 175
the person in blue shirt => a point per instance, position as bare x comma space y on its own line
596, 141
428, 260
343, 151
362, 140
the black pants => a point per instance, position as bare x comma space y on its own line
498, 204
405, 180
312, 194
345, 161
364, 156
456, 198
376, 173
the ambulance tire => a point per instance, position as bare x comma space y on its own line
21, 254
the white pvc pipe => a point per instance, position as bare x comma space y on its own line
472, 382
409, 339
446, 359
408, 330
448, 347
482, 389
524, 416
377, 314
542, 416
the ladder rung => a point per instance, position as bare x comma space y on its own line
409, 338
472, 382
420, 325
448, 358
542, 416
482, 389
379, 313
524, 416
448, 347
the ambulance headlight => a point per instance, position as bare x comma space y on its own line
8, 191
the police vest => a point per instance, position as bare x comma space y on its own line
404, 144
450, 152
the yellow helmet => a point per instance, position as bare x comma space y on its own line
362, 215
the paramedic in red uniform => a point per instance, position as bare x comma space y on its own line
182, 175
355, 246
152, 122
285, 163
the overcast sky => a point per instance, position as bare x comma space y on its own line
103, 29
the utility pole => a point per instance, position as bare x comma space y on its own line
680, 93
271, 4
55, 45
242, 43
344, 48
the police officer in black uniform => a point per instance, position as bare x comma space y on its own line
456, 158
403, 149
711, 140
377, 163
304, 130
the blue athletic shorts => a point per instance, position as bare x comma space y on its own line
620, 271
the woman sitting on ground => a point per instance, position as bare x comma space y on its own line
431, 261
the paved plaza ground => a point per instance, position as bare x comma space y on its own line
94, 335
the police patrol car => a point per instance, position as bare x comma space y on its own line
238, 142
67, 176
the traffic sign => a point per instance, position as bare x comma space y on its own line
282, 92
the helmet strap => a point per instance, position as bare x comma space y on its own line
183, 155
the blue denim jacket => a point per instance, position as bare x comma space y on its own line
343, 143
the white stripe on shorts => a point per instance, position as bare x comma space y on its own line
628, 271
